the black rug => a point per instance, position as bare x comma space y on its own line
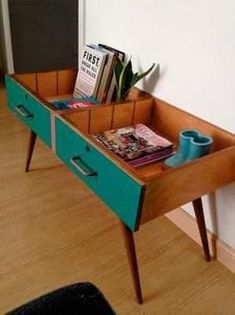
79, 299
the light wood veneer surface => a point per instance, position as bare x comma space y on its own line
54, 232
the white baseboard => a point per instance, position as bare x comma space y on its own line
218, 249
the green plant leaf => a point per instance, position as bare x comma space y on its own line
125, 79
118, 70
135, 77
141, 76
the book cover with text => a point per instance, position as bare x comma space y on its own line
90, 72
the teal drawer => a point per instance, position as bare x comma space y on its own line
115, 187
29, 110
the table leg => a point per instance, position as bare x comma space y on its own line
31, 145
198, 209
132, 259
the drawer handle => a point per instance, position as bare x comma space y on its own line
75, 162
23, 111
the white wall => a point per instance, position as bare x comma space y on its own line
1, 57
6, 37
194, 42
1, 39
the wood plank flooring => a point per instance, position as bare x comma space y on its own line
54, 231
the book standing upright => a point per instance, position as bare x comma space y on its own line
107, 74
90, 72
118, 55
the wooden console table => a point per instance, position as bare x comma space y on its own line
137, 195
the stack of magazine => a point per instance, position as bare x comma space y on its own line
138, 145
95, 82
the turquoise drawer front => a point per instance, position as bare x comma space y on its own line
118, 190
29, 110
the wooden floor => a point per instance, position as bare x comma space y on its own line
54, 231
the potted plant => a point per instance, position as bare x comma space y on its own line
126, 78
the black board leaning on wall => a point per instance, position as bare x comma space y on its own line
44, 34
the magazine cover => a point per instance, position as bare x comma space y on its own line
134, 142
79, 102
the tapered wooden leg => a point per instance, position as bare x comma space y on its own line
132, 259
198, 209
31, 145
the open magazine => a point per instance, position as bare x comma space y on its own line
137, 145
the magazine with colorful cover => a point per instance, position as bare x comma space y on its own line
137, 145
72, 103
151, 157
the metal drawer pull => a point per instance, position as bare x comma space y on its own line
23, 111
75, 160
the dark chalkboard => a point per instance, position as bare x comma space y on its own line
44, 34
